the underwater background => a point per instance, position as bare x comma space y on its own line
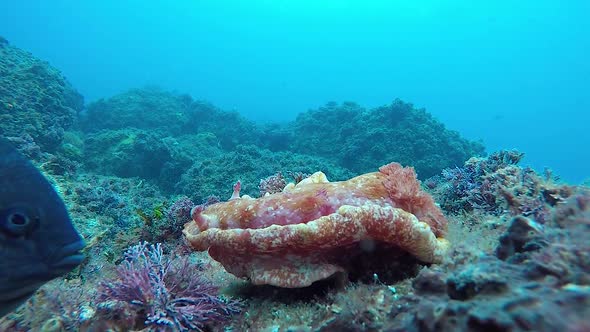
146, 116
514, 75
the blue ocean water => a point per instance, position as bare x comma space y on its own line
514, 74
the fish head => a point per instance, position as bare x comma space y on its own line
37, 239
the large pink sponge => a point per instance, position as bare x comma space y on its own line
303, 234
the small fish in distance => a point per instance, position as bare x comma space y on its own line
37, 239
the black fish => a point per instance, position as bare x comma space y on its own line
37, 239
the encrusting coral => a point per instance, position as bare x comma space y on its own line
308, 231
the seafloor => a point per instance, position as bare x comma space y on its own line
130, 168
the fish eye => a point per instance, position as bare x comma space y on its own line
18, 219
17, 222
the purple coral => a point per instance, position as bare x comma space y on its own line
180, 212
497, 184
167, 291
272, 184
475, 185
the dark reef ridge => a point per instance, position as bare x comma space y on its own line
154, 134
360, 139
37, 103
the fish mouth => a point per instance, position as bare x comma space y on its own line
9, 303
67, 258
15, 292
12, 298
20, 293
